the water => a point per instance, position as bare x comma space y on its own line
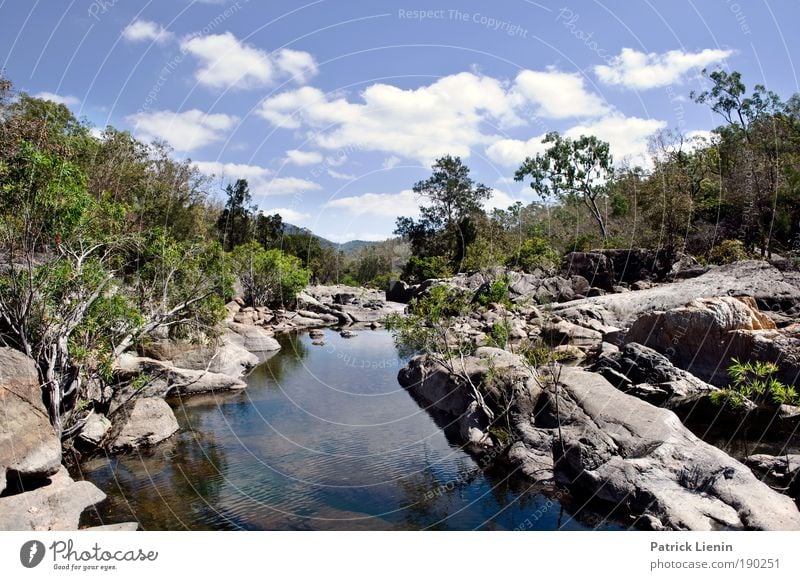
323, 438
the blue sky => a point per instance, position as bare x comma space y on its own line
333, 110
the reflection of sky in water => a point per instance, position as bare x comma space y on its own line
323, 438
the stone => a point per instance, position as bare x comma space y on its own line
348, 334
592, 266
254, 338
399, 291
565, 332
706, 334
56, 506
94, 431
226, 356
316, 333
569, 352
143, 422
644, 373
29, 448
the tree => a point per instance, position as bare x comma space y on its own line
269, 277
268, 229
234, 223
571, 169
446, 227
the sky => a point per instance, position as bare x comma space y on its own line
332, 110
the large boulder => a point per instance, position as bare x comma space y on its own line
29, 448
225, 356
649, 375
594, 266
399, 291
56, 506
164, 379
142, 422
252, 338
703, 336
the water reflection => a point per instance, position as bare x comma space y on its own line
323, 438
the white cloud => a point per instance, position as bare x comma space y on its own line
343, 176
391, 162
512, 152
260, 179
297, 64
145, 30
301, 158
501, 200
628, 136
638, 70
423, 123
404, 203
185, 131
558, 94
227, 62
288, 214
67, 100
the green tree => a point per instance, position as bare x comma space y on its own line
269, 277
234, 223
571, 169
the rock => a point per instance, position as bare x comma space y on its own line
593, 266
565, 332
703, 336
569, 352
622, 449
644, 373
123, 527
254, 338
29, 448
94, 431
316, 333
318, 342
227, 356
782, 471
554, 289
344, 298
166, 379
348, 334
399, 291
56, 506
142, 423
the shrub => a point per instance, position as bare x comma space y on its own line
727, 252
496, 293
756, 382
419, 269
535, 252
269, 277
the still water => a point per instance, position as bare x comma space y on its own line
323, 438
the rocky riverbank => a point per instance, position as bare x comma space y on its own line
607, 431
37, 492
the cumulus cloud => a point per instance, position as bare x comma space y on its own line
423, 123
512, 152
227, 62
404, 203
146, 31
638, 70
627, 136
558, 95
288, 214
261, 180
297, 157
184, 131
68, 100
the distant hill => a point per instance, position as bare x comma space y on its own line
348, 248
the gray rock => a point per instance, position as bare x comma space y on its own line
95, 430
399, 291
57, 506
348, 334
123, 527
142, 423
29, 448
564, 332
644, 373
226, 356
254, 338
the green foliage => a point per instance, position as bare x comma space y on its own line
756, 382
500, 333
496, 293
419, 269
535, 252
582, 243
727, 252
269, 277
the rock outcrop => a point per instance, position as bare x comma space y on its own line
612, 446
142, 423
29, 448
58, 505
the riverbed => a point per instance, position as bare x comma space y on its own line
323, 438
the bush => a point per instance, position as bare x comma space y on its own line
419, 269
582, 243
269, 277
756, 382
496, 293
728, 252
533, 253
